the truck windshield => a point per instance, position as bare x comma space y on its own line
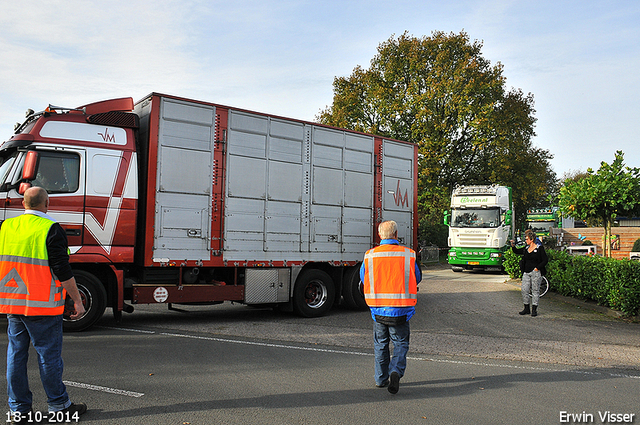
5, 166
540, 226
476, 217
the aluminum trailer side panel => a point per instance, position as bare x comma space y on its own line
229, 187
296, 191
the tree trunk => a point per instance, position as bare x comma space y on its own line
607, 238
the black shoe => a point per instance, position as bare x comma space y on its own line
534, 310
79, 408
525, 311
394, 382
384, 384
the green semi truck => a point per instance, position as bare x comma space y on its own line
480, 227
542, 220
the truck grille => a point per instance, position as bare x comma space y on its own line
473, 255
472, 240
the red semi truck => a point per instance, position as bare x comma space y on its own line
177, 201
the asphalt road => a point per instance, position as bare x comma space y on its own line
473, 360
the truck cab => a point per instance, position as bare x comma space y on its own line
85, 158
542, 220
479, 223
88, 168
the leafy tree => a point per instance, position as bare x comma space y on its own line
611, 191
569, 177
442, 94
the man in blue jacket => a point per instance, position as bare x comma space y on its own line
390, 276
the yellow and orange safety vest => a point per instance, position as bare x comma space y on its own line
27, 285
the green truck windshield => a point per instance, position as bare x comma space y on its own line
482, 218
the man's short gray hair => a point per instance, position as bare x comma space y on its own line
388, 229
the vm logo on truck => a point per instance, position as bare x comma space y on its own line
399, 199
109, 138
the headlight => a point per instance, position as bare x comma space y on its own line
452, 254
496, 254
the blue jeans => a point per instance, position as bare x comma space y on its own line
385, 365
45, 333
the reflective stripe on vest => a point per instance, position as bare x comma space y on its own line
389, 279
27, 285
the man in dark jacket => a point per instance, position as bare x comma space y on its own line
34, 276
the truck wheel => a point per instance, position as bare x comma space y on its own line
313, 294
94, 299
457, 269
351, 289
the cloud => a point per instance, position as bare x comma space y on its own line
577, 58
73, 51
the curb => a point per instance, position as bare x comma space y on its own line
434, 265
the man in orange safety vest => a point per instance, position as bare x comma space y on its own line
390, 276
34, 275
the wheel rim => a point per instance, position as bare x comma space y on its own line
87, 302
315, 294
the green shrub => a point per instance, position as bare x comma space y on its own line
511, 264
609, 282
558, 272
636, 246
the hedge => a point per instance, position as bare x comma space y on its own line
611, 283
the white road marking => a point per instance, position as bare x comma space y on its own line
102, 389
129, 330
266, 344
356, 353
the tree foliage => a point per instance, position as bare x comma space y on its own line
603, 195
442, 94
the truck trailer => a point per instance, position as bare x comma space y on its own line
480, 227
177, 201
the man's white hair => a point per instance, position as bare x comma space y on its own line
388, 229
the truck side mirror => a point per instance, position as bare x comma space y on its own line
30, 166
23, 187
508, 217
447, 217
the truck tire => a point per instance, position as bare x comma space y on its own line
457, 269
94, 298
313, 294
351, 289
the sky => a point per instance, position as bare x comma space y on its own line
579, 59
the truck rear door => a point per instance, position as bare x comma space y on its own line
398, 196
